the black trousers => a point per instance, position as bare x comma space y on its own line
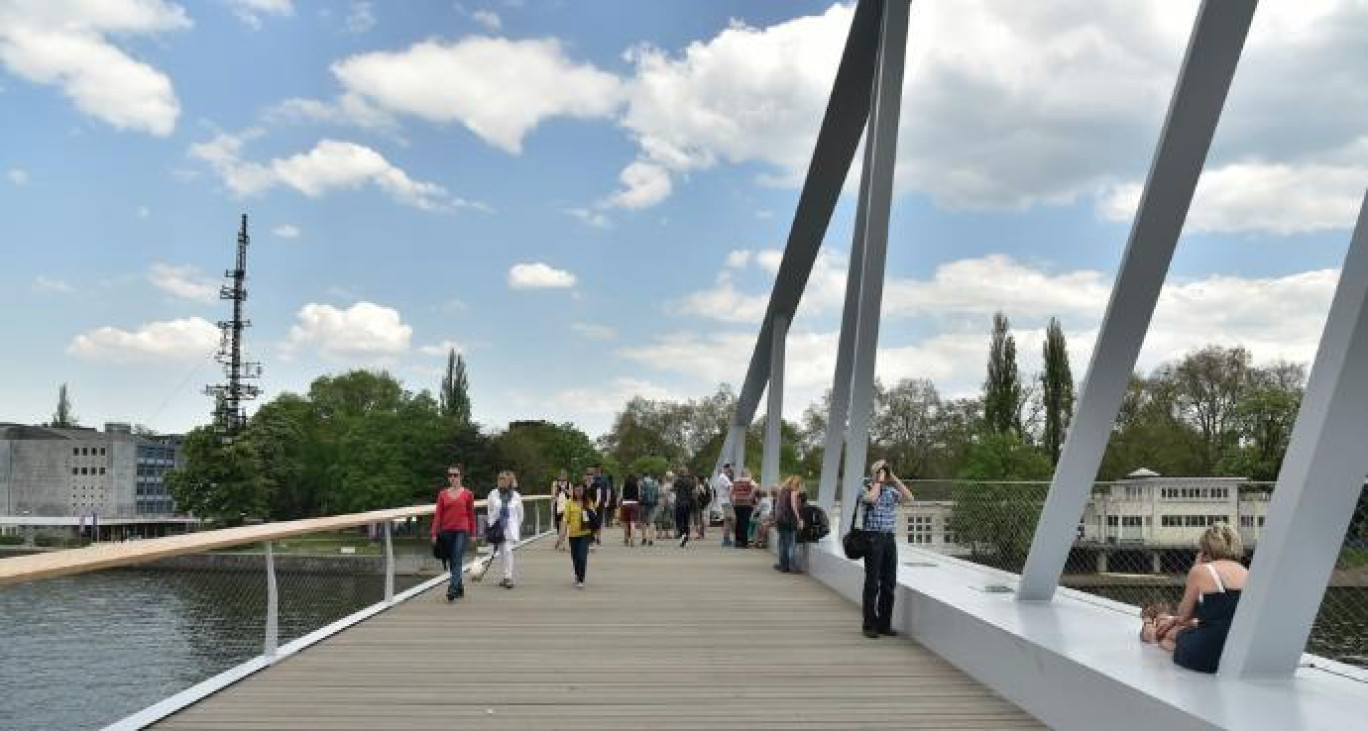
682, 512
743, 516
881, 581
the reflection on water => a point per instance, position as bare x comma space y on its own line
85, 651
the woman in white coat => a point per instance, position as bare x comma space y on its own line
505, 505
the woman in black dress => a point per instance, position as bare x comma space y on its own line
1209, 600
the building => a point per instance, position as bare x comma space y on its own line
1143, 511
48, 472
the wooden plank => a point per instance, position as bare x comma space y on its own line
700, 638
111, 555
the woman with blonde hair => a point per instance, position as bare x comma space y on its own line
505, 509
1197, 633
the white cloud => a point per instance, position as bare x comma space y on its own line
17, 176
51, 285
287, 231
498, 89
607, 398
487, 18
185, 339
442, 348
1034, 105
984, 285
539, 276
144, 212
364, 331
360, 18
250, 12
739, 259
590, 216
70, 44
644, 184
329, 166
593, 332
184, 282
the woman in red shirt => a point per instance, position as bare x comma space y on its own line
452, 524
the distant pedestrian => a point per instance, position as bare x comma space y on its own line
703, 497
505, 509
631, 502
577, 529
588, 483
722, 487
603, 499
880, 498
650, 509
452, 523
743, 504
684, 489
762, 520
787, 521
560, 492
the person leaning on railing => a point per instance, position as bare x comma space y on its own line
881, 496
452, 524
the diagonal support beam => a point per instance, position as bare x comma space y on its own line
1318, 486
1213, 52
846, 112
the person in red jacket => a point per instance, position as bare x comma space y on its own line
452, 524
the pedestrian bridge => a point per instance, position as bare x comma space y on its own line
663, 637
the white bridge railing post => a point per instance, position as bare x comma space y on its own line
272, 640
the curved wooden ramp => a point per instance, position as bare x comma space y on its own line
700, 638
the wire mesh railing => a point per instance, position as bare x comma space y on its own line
84, 648
1135, 541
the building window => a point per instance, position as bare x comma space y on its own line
1130, 521
102, 471
1261, 521
1113, 521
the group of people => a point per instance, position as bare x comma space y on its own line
454, 522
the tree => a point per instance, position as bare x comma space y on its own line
537, 450
1210, 384
991, 515
64, 417
1148, 432
1002, 396
454, 396
1263, 418
1056, 390
220, 481
904, 425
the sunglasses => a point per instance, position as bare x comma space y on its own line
453, 474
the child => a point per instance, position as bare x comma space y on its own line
763, 520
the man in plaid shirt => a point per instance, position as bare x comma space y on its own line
883, 491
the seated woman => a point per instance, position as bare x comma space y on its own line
1196, 634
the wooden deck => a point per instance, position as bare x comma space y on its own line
701, 638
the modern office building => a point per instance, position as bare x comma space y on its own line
48, 472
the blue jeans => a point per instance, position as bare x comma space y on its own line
459, 539
787, 562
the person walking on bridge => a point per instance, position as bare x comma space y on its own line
452, 523
505, 508
631, 503
684, 488
575, 527
650, 507
742, 493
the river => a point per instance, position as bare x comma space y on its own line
84, 651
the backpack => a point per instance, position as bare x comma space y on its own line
815, 524
705, 493
650, 492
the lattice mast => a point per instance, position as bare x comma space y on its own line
229, 417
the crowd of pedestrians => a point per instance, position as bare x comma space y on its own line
676, 504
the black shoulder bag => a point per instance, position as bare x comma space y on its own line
856, 542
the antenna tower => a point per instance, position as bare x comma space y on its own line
229, 417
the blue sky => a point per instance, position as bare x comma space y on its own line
588, 198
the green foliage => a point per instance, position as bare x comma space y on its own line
221, 480
64, 417
1004, 457
650, 465
11, 540
454, 396
1002, 394
537, 450
1056, 390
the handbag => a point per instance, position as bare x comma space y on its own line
856, 542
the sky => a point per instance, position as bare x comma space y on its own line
589, 199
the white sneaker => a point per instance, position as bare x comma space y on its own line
579, 584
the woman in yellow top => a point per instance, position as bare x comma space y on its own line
577, 526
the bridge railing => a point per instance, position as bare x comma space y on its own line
1133, 545
136, 630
